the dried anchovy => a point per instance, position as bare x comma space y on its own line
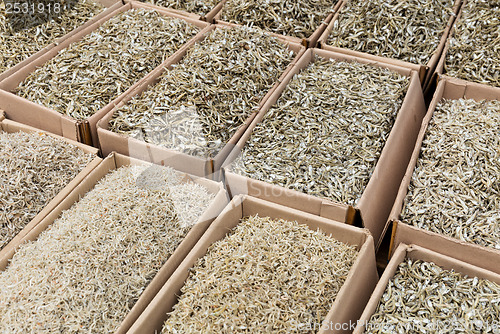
87, 270
89, 74
293, 18
17, 45
34, 168
455, 188
264, 277
424, 298
325, 134
198, 104
201, 7
474, 48
408, 30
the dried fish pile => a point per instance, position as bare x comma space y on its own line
266, 276
424, 298
201, 7
90, 73
34, 168
293, 18
87, 270
327, 130
455, 188
409, 30
198, 105
474, 48
18, 44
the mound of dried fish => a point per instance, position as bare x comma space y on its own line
455, 188
424, 298
408, 30
21, 40
201, 7
474, 51
87, 270
293, 18
34, 168
198, 105
90, 73
265, 276
327, 130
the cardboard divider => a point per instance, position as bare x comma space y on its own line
110, 163
10, 126
350, 300
472, 268
210, 16
39, 116
110, 141
425, 71
447, 88
110, 5
378, 197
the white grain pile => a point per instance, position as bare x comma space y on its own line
86, 271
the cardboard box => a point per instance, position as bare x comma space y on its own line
425, 71
448, 88
378, 197
33, 114
471, 268
111, 6
9, 126
240, 185
111, 141
308, 42
350, 300
113, 162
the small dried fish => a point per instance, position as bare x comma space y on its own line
90, 73
201, 7
293, 18
34, 168
424, 298
20, 40
408, 30
327, 130
455, 188
198, 105
474, 48
265, 276
88, 269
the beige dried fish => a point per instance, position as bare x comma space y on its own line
201, 7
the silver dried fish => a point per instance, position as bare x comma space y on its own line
201, 7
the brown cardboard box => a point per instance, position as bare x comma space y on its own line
350, 300
111, 6
471, 268
110, 141
27, 112
448, 88
112, 162
10, 127
378, 197
308, 42
425, 70
241, 185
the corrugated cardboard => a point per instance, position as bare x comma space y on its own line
448, 88
425, 70
10, 127
110, 141
241, 185
113, 162
378, 197
471, 268
111, 6
350, 300
27, 112
307, 42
